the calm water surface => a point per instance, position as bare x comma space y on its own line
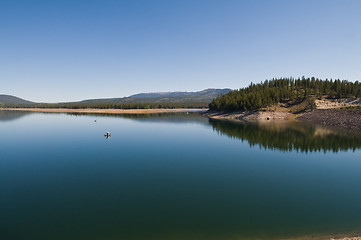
174, 176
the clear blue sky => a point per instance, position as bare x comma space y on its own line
71, 50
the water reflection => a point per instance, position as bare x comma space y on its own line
162, 175
12, 115
270, 135
173, 117
289, 136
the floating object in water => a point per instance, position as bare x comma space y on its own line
107, 135
95, 120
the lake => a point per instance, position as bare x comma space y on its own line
175, 176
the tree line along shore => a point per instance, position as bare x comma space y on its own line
107, 105
279, 98
289, 91
331, 102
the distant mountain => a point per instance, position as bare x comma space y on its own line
204, 96
207, 92
160, 94
8, 99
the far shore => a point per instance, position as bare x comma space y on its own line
111, 111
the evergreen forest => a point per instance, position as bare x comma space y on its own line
289, 90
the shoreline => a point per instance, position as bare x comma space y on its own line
343, 113
342, 118
251, 115
335, 117
112, 111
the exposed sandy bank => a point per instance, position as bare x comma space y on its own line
250, 116
337, 103
278, 113
112, 111
328, 112
324, 238
347, 238
343, 118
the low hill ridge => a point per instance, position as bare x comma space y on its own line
210, 91
9, 99
205, 96
199, 99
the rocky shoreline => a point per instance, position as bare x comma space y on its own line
343, 118
250, 115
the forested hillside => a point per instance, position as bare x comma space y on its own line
199, 99
270, 92
204, 96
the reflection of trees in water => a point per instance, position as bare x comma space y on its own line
172, 117
12, 115
180, 117
288, 137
